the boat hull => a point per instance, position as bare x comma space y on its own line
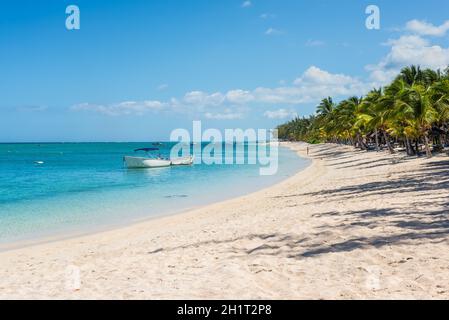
140, 163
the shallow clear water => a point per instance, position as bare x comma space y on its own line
82, 187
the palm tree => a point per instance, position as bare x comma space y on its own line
414, 108
440, 98
370, 115
325, 107
418, 108
351, 108
391, 117
411, 75
324, 113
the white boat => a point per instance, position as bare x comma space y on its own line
184, 161
146, 162
140, 162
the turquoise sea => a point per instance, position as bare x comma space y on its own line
64, 189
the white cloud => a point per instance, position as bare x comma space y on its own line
239, 96
408, 50
315, 75
267, 16
246, 4
162, 87
280, 95
315, 43
224, 116
280, 114
203, 99
427, 29
412, 47
312, 86
415, 50
122, 108
316, 83
91, 107
273, 32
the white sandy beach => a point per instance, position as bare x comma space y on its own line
353, 225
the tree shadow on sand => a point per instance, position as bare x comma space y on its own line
423, 220
413, 229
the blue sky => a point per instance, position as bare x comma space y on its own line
138, 69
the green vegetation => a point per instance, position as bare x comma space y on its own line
410, 113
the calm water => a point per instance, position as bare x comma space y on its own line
82, 187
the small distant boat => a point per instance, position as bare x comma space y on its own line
157, 144
39, 162
146, 162
184, 161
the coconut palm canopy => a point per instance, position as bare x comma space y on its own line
410, 112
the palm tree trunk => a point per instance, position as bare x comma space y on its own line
408, 144
428, 152
407, 147
364, 143
377, 140
360, 142
439, 141
387, 141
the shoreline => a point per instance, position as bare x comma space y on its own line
352, 225
42, 240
